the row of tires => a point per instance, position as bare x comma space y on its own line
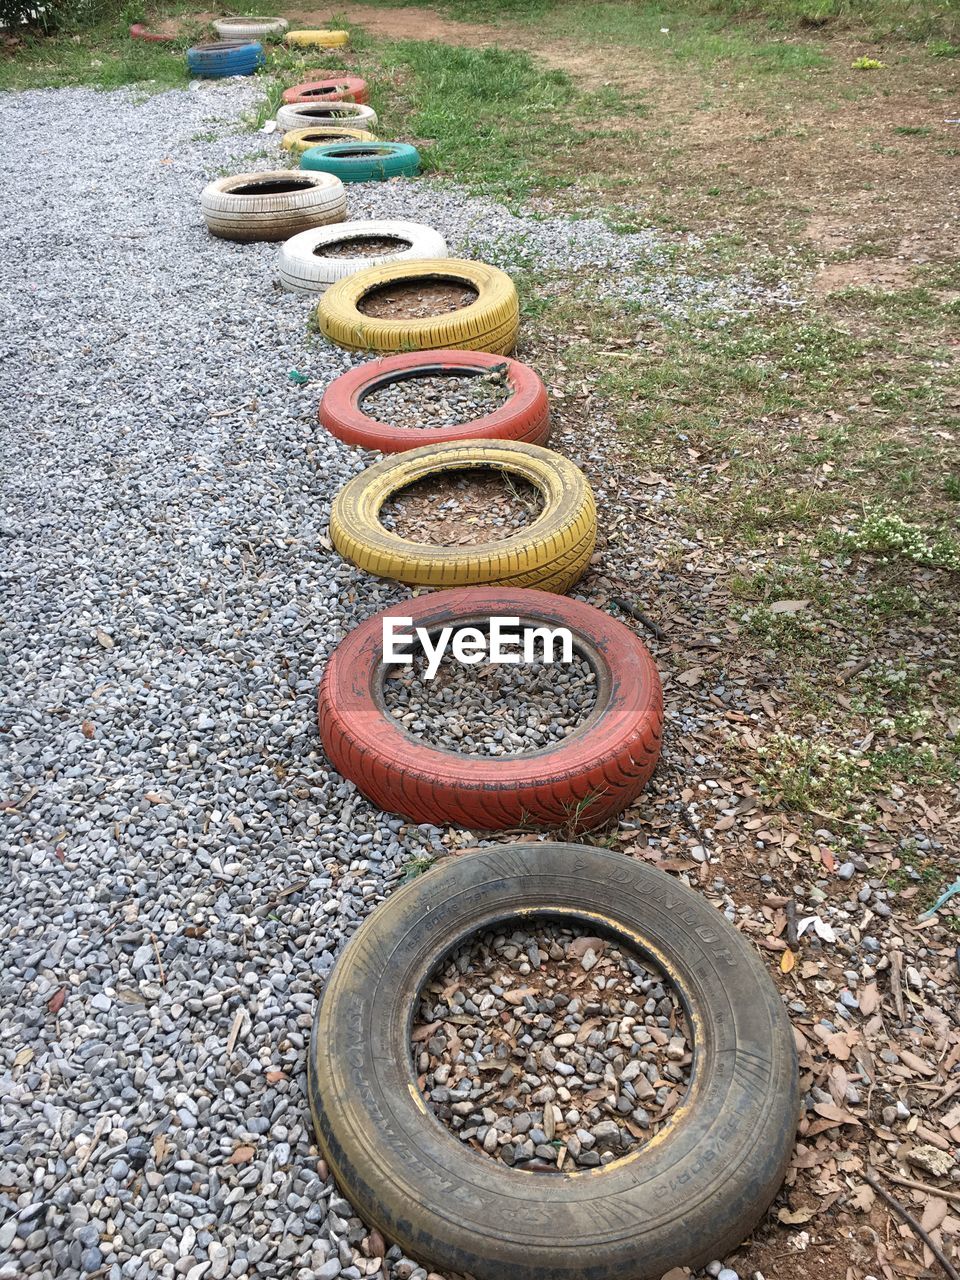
727, 1146
236, 52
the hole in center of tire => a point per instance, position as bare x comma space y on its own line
322, 138
271, 187
362, 247
491, 708
417, 299
437, 399
321, 112
461, 508
362, 152
549, 1049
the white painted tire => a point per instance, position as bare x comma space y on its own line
330, 115
302, 200
235, 28
301, 268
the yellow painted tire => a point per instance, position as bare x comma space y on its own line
300, 140
326, 39
488, 324
550, 554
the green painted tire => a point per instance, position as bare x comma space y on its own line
363, 161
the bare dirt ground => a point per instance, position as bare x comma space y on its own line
826, 158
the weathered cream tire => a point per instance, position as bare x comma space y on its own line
297, 141
301, 267
321, 115
238, 28
262, 213
489, 323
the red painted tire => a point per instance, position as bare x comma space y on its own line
525, 416
338, 89
576, 784
139, 32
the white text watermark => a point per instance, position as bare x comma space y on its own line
504, 640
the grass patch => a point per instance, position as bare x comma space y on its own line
104, 58
497, 122
812, 775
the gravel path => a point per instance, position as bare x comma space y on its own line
182, 864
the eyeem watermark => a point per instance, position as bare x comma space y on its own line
503, 641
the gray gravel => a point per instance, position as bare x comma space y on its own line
182, 865
443, 400
491, 709
545, 1048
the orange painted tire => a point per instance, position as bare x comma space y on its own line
338, 89
577, 783
525, 416
139, 32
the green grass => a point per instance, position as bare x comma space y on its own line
104, 57
491, 118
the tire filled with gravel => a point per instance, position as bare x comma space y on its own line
439, 401
548, 1049
404, 401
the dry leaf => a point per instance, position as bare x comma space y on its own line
160, 1148
690, 677
787, 961
838, 1046
105, 640
916, 1064
837, 1114
869, 999
24, 1056
55, 1003
88, 728
795, 1217
934, 1212
863, 1198
580, 946
241, 1155
787, 606
424, 1032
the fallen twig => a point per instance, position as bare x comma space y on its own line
928, 1187
793, 938
156, 952
948, 1267
641, 617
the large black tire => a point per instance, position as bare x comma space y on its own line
689, 1195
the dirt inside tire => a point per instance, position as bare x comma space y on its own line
272, 187
362, 247
417, 299
459, 508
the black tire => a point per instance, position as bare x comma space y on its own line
689, 1195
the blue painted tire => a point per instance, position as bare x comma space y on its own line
363, 161
225, 58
